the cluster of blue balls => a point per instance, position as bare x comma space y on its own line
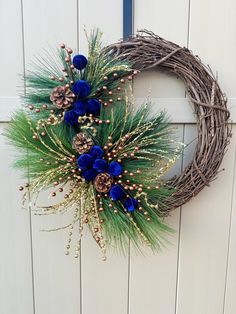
81, 89
92, 163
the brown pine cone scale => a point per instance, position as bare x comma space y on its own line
62, 97
103, 182
82, 143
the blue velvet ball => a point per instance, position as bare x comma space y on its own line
71, 117
117, 192
81, 88
89, 174
115, 168
84, 161
131, 204
93, 107
100, 165
80, 62
80, 107
96, 152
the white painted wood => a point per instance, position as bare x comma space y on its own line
11, 61
157, 85
15, 262
168, 19
153, 279
47, 24
153, 276
230, 280
164, 90
197, 273
212, 37
180, 110
202, 278
56, 276
204, 231
7, 105
104, 284
105, 15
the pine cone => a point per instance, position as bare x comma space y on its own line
103, 182
62, 97
82, 143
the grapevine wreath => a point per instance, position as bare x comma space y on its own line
99, 157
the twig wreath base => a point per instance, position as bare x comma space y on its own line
147, 51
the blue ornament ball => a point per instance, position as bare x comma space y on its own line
84, 161
96, 152
100, 165
81, 88
71, 117
89, 174
80, 107
115, 168
117, 192
131, 204
80, 62
93, 107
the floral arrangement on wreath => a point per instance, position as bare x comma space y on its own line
81, 137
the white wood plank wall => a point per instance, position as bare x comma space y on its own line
197, 273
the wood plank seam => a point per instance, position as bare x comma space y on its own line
179, 234
30, 212
182, 167
229, 234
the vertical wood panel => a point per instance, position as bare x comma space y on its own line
204, 242
11, 61
230, 280
212, 37
204, 246
206, 220
105, 15
168, 19
214, 41
56, 276
104, 284
162, 87
48, 23
153, 277
15, 262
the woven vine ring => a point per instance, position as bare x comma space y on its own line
147, 50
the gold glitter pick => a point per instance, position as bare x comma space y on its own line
145, 240
94, 222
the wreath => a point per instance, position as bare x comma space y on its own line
101, 158
146, 51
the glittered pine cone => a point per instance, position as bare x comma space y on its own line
82, 143
62, 97
103, 182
